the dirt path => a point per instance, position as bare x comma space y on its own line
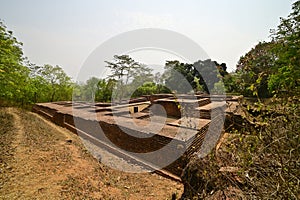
27, 180
19, 130
49, 162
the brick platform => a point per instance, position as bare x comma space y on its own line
180, 136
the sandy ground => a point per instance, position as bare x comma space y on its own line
39, 160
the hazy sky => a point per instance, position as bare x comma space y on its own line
66, 32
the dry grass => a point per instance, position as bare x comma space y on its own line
39, 162
261, 162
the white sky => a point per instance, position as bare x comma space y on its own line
65, 32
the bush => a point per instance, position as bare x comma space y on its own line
261, 162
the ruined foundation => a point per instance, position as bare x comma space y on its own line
181, 135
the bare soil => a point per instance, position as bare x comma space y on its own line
39, 160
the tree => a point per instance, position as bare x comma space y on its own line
13, 73
254, 69
104, 94
232, 83
129, 75
90, 89
201, 75
122, 67
146, 89
149, 88
39, 89
273, 67
286, 73
175, 71
209, 73
58, 84
24, 83
96, 89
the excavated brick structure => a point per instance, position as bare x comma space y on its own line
205, 110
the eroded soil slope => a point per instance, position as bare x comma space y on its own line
39, 160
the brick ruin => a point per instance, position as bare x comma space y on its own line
176, 137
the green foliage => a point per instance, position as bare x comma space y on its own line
286, 75
104, 94
51, 84
128, 79
122, 67
232, 82
273, 67
145, 89
219, 88
91, 88
209, 73
149, 88
129, 76
23, 83
254, 69
284, 80
199, 76
13, 75
176, 71
94, 89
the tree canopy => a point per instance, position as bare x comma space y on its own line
199, 76
273, 67
269, 68
13, 73
24, 83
